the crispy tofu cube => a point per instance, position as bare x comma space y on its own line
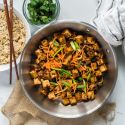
92, 87
53, 74
79, 38
90, 95
75, 73
69, 94
44, 92
98, 73
78, 96
67, 33
45, 83
37, 81
73, 101
38, 52
33, 74
62, 39
103, 68
84, 96
52, 96
100, 62
63, 95
93, 79
94, 66
96, 46
65, 101
68, 49
67, 59
84, 75
89, 39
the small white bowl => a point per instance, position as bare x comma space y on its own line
4, 67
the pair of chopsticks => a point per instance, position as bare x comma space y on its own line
9, 20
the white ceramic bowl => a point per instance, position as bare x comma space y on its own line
4, 67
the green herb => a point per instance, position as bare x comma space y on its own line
59, 51
66, 84
80, 79
54, 83
85, 85
63, 71
41, 11
80, 86
74, 45
55, 43
89, 77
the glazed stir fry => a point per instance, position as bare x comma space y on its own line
68, 67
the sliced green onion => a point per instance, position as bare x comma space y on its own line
89, 77
80, 86
66, 84
54, 83
76, 45
55, 43
85, 85
73, 45
59, 51
63, 71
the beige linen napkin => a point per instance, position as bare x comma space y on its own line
20, 111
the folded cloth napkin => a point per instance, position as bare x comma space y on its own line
20, 111
110, 21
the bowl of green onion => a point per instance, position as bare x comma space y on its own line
41, 12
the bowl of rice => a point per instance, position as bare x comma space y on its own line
21, 34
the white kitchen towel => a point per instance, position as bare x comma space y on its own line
110, 21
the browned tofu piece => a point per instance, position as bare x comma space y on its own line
96, 46
90, 39
41, 56
69, 94
62, 39
98, 73
52, 96
38, 52
65, 101
94, 66
67, 33
44, 92
79, 39
75, 73
68, 49
73, 101
103, 68
45, 42
53, 74
45, 83
91, 95
84, 96
78, 96
92, 87
84, 75
33, 74
63, 95
37, 81
67, 59
100, 62
93, 79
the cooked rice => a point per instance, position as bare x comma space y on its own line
19, 37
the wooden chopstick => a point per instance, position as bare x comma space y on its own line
11, 23
10, 31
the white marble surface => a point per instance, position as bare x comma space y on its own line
82, 10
